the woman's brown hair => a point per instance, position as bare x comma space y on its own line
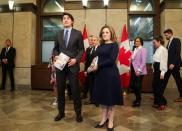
112, 32
159, 39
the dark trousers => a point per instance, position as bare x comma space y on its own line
136, 84
158, 86
10, 71
69, 90
74, 84
89, 81
176, 75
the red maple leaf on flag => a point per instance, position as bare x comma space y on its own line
124, 56
124, 59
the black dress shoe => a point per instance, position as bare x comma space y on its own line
100, 126
97, 105
12, 89
83, 97
136, 104
79, 118
110, 129
87, 103
59, 117
2, 88
155, 105
135, 101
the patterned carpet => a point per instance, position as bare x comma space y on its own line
27, 110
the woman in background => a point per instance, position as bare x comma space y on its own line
107, 87
138, 69
53, 82
160, 68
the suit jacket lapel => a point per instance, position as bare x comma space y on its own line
170, 44
62, 39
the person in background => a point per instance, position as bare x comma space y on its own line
159, 69
138, 69
174, 61
7, 57
95, 42
53, 82
107, 85
89, 77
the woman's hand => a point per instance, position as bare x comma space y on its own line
171, 66
95, 68
85, 73
137, 73
161, 77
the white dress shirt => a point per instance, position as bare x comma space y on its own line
170, 42
161, 56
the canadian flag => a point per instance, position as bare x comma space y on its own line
124, 59
86, 45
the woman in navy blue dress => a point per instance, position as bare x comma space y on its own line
107, 87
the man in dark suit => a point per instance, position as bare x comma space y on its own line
88, 61
8, 54
174, 61
90, 76
70, 42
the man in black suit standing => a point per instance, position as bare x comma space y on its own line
174, 61
87, 63
90, 76
70, 42
8, 54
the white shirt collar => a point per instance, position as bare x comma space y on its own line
69, 29
171, 38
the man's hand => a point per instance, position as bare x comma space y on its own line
161, 77
85, 73
171, 66
5, 61
71, 62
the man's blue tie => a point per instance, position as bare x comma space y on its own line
66, 38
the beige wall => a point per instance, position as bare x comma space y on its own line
5, 30
172, 18
95, 19
17, 1
23, 41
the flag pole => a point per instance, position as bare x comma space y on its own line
85, 8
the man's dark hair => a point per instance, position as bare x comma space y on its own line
168, 31
69, 15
